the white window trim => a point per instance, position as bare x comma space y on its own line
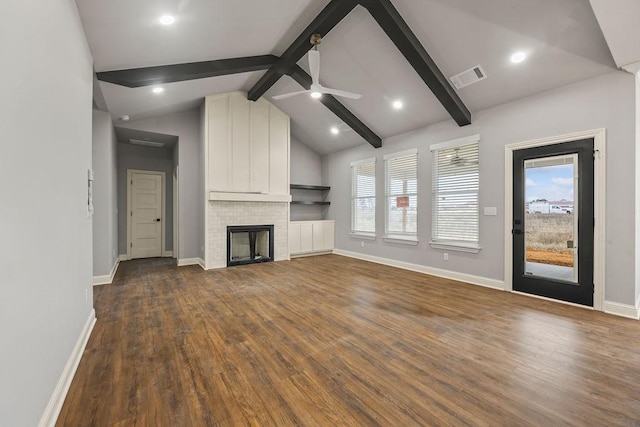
362, 235
409, 152
408, 239
471, 139
399, 238
456, 246
453, 245
359, 162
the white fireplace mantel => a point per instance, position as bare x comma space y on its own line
248, 197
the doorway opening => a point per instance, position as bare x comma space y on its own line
554, 218
146, 213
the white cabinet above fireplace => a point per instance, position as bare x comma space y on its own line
247, 149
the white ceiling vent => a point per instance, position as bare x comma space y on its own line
344, 127
468, 77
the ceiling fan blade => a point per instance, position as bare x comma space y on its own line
342, 93
314, 66
289, 95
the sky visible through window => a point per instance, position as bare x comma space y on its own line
553, 183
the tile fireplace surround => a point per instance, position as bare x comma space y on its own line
221, 214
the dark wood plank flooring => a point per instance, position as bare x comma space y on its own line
332, 341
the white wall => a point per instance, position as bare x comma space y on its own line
149, 159
105, 194
603, 102
186, 126
45, 258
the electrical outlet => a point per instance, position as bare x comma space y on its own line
446, 256
362, 244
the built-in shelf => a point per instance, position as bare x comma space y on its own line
312, 188
308, 202
309, 187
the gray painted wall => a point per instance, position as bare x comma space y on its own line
185, 125
637, 192
46, 260
306, 164
603, 102
306, 168
149, 159
105, 194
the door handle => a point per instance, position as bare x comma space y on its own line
157, 219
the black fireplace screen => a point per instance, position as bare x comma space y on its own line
248, 244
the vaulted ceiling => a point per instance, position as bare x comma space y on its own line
563, 42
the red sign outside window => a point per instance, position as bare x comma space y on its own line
402, 201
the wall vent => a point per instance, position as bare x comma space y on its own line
467, 77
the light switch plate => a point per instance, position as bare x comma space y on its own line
491, 211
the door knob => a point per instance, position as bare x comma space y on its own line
157, 219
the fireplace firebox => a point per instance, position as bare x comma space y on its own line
249, 244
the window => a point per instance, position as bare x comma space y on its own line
363, 195
456, 183
401, 196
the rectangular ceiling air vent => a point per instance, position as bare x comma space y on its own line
467, 77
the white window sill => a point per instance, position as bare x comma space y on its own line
362, 235
404, 240
455, 246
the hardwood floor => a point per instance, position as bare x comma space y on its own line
330, 341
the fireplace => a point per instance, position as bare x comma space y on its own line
249, 244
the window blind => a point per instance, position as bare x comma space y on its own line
456, 184
402, 193
363, 208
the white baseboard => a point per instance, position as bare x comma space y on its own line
461, 277
52, 411
107, 279
191, 261
623, 310
305, 254
165, 254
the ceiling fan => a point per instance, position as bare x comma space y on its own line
317, 90
456, 160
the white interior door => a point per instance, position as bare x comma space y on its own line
146, 215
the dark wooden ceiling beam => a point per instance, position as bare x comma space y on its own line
330, 16
392, 23
138, 77
336, 107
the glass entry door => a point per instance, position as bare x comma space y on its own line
553, 221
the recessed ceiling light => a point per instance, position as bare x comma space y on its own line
167, 19
158, 90
316, 95
518, 57
124, 118
335, 130
397, 104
